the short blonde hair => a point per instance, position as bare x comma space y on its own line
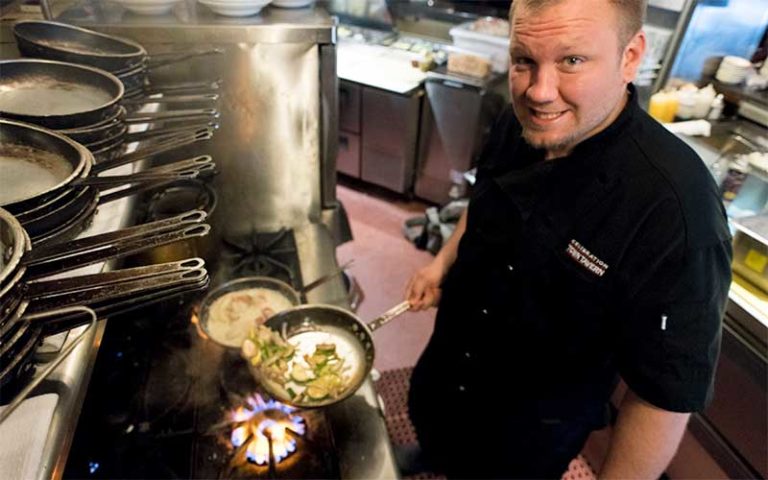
631, 14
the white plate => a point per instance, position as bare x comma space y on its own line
235, 8
292, 3
148, 7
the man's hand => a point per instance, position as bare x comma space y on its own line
423, 290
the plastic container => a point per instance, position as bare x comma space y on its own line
495, 46
717, 108
663, 106
469, 62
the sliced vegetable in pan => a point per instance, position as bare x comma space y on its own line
307, 378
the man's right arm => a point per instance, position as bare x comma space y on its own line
423, 290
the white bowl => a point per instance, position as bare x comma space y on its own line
292, 3
148, 7
235, 8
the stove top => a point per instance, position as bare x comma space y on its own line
161, 397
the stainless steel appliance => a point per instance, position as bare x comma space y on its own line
277, 145
458, 112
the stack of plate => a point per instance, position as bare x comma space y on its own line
148, 7
733, 70
235, 8
292, 3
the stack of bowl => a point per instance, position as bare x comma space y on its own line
733, 70
148, 7
236, 8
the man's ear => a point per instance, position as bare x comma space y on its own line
632, 56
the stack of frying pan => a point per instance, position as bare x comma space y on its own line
25, 295
52, 186
125, 59
86, 104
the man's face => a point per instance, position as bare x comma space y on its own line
568, 74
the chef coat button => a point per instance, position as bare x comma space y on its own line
466, 354
510, 268
461, 388
485, 311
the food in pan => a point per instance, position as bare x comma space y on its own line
305, 373
234, 314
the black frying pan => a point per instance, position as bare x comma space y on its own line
306, 326
60, 41
39, 164
57, 94
68, 43
36, 163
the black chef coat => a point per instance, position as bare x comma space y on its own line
612, 260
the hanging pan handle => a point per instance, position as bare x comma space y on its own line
173, 115
210, 86
23, 394
155, 149
203, 97
156, 59
389, 315
39, 288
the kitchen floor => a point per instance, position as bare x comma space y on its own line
384, 260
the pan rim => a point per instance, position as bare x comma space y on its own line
140, 50
92, 70
86, 158
220, 290
19, 245
272, 323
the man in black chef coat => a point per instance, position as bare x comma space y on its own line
595, 245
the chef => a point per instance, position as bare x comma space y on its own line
595, 246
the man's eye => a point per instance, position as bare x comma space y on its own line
573, 61
521, 61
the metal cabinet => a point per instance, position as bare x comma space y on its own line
348, 160
457, 115
349, 107
390, 127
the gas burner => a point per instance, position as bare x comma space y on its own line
266, 429
260, 253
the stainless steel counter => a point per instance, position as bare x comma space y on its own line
360, 433
70, 379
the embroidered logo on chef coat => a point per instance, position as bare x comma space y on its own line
584, 257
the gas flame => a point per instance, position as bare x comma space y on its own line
264, 421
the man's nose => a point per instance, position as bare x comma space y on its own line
544, 86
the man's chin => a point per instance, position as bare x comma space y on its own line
544, 142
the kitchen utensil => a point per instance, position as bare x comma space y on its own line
309, 325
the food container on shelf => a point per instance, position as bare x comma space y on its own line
468, 62
750, 249
475, 36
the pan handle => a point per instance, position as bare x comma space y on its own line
157, 148
96, 294
203, 165
23, 394
47, 252
324, 278
175, 57
38, 288
161, 133
121, 248
203, 97
390, 314
210, 86
188, 114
